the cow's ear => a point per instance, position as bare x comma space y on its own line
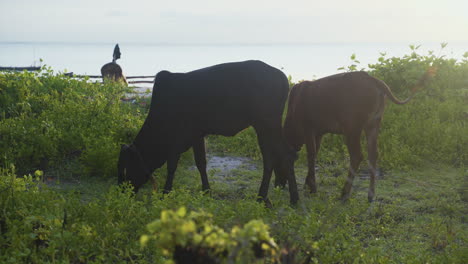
132, 147
162, 78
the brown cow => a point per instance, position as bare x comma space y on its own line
345, 104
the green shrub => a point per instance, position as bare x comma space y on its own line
432, 127
429, 129
193, 238
46, 118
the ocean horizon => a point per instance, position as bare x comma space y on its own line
301, 61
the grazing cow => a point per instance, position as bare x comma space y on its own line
346, 104
221, 100
113, 71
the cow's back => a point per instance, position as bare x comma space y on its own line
222, 99
338, 102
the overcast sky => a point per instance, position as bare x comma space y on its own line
235, 21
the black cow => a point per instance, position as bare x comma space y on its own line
220, 100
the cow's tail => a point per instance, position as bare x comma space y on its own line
386, 90
419, 85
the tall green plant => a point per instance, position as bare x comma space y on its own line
47, 117
432, 127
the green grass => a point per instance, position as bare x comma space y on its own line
419, 216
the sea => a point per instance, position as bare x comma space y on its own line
300, 61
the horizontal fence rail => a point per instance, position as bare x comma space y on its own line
71, 74
129, 78
140, 79
29, 68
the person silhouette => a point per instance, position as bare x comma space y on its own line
113, 71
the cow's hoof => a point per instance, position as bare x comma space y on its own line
293, 203
310, 189
309, 194
164, 194
266, 202
282, 186
206, 192
280, 183
344, 198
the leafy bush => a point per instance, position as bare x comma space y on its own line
41, 225
47, 118
193, 238
429, 129
432, 126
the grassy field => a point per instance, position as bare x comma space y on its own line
419, 216
65, 135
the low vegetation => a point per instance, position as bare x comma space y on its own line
65, 134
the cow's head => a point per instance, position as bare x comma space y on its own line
286, 166
294, 135
131, 167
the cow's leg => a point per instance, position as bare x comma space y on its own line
313, 146
354, 147
283, 166
266, 147
274, 152
199, 154
283, 161
279, 181
318, 140
291, 176
372, 133
171, 168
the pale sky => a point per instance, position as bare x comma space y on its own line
238, 21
